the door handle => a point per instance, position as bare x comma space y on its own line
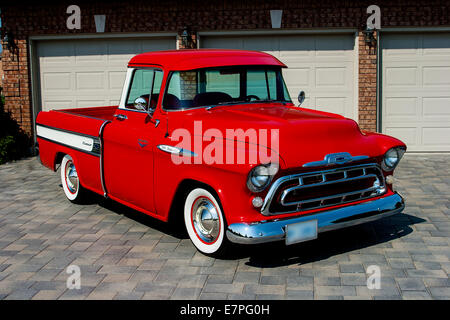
120, 116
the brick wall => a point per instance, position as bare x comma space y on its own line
1, 72
200, 15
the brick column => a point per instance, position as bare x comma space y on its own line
16, 84
367, 79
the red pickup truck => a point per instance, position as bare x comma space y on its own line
212, 137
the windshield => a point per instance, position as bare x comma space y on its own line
220, 86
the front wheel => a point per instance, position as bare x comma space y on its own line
205, 223
73, 190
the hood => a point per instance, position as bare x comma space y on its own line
304, 135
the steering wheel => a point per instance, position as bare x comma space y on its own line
249, 97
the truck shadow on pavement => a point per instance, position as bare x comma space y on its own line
327, 245
334, 243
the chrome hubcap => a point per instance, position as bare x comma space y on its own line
71, 177
206, 220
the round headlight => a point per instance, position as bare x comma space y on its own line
260, 177
392, 158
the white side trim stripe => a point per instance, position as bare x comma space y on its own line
69, 139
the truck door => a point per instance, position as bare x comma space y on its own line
129, 143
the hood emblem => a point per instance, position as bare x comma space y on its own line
335, 158
142, 142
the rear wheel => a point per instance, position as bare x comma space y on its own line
73, 190
205, 222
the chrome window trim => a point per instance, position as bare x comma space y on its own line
129, 83
274, 187
169, 76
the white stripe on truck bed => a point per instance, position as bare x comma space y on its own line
69, 139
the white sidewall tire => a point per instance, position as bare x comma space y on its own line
71, 196
200, 245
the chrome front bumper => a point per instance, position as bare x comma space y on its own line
274, 230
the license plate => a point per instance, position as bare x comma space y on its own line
301, 231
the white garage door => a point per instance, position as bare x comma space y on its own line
321, 65
88, 73
416, 89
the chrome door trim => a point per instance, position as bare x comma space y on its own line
176, 150
102, 174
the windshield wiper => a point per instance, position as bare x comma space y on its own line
273, 100
241, 102
231, 102
224, 104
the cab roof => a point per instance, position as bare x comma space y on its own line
189, 59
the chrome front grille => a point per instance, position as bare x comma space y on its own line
320, 189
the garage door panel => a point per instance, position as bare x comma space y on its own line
401, 76
88, 73
293, 46
332, 46
58, 104
157, 44
89, 80
300, 77
89, 103
88, 52
331, 104
400, 46
116, 79
436, 76
416, 89
55, 54
436, 44
436, 136
436, 108
335, 77
52, 81
407, 134
401, 107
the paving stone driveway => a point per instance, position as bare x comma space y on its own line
123, 254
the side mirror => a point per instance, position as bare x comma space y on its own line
301, 97
140, 104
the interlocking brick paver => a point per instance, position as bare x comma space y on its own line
249, 277
416, 295
224, 288
411, 284
48, 294
123, 254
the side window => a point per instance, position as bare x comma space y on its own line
146, 84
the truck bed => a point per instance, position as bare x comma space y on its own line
75, 132
104, 113
86, 121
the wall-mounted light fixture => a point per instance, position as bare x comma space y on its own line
8, 40
369, 37
186, 38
